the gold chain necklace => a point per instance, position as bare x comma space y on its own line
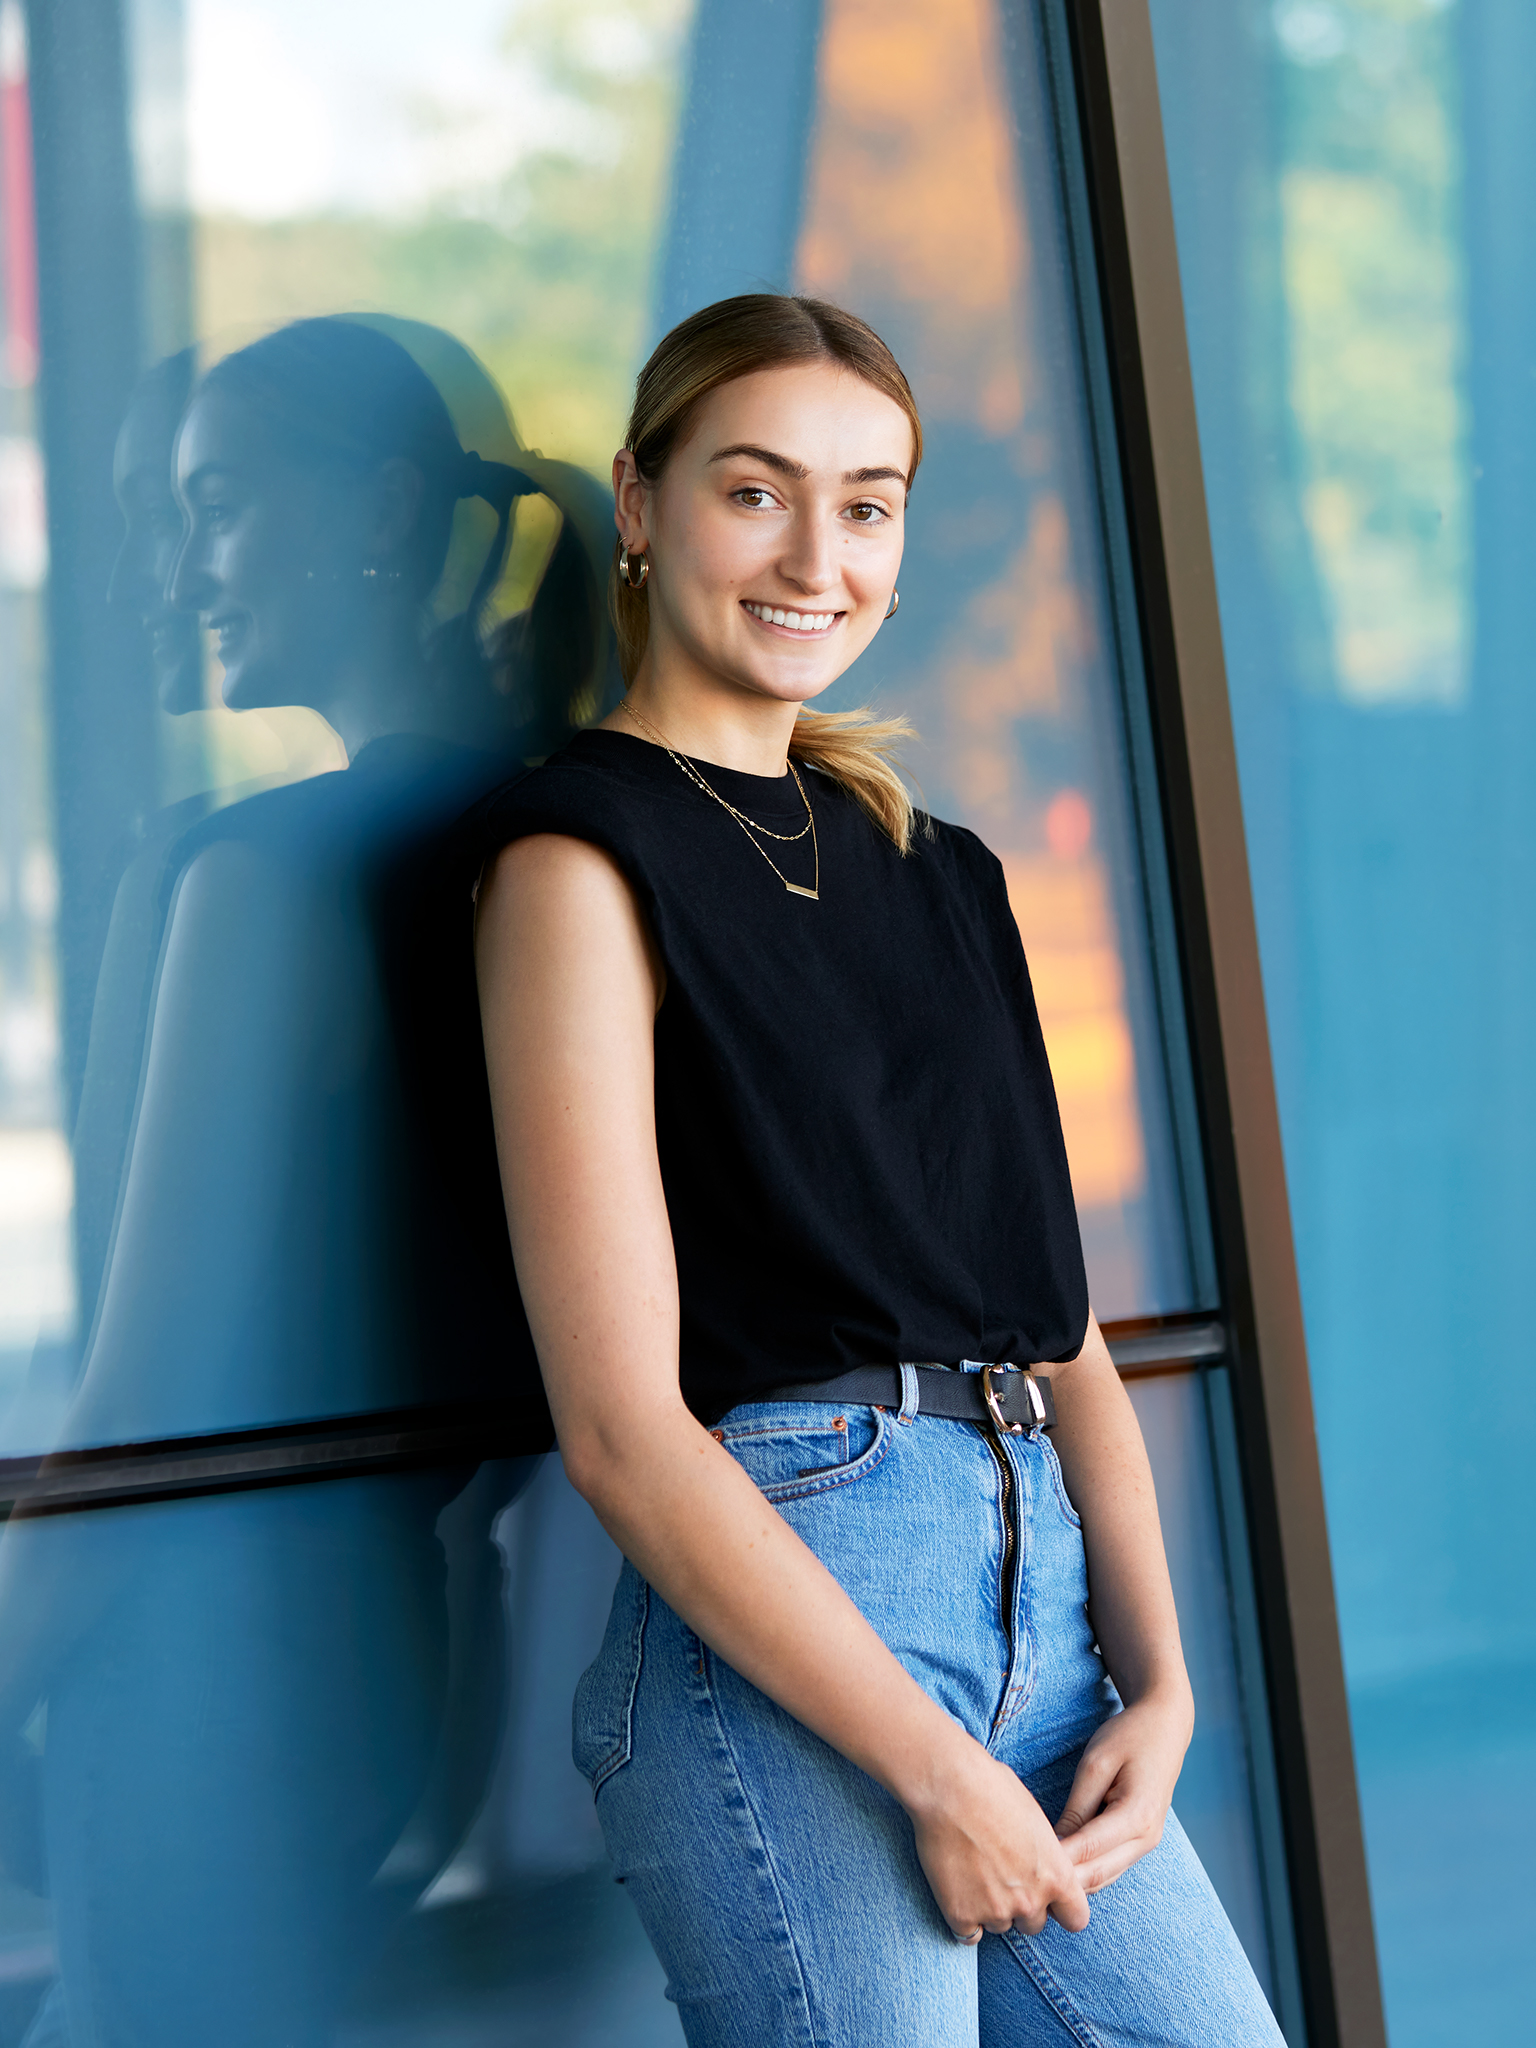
785, 838
748, 825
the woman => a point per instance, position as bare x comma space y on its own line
774, 1114
249, 1696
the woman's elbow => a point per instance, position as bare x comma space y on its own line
612, 1458
595, 1457
586, 1465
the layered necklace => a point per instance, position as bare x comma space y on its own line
748, 825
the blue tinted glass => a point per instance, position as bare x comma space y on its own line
1350, 185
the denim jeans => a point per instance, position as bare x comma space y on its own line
779, 1884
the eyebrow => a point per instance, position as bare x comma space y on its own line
798, 471
207, 472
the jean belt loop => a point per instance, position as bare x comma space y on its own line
908, 1393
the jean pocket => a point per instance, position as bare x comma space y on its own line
1058, 1482
602, 1715
794, 1450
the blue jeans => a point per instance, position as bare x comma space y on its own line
779, 1884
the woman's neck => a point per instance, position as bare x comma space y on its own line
382, 688
719, 722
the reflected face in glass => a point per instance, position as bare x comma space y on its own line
266, 561
775, 532
153, 528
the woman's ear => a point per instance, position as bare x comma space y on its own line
631, 503
394, 506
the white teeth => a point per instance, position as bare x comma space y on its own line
797, 622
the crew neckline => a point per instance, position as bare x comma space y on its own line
659, 768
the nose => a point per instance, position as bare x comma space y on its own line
809, 560
190, 587
128, 587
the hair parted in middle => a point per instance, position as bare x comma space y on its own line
731, 339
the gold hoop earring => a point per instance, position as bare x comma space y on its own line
894, 606
634, 582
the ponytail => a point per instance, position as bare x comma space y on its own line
858, 751
500, 486
546, 665
761, 331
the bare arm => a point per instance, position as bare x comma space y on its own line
569, 991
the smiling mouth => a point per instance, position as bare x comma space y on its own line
227, 629
791, 621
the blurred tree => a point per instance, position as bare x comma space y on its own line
541, 264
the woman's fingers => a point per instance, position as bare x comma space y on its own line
1120, 1793
1026, 1906
1069, 1909
1097, 1770
1115, 1859
994, 1862
1110, 1843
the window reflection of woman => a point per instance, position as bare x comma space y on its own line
245, 1695
319, 474
145, 489
768, 1040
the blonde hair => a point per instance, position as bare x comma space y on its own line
760, 331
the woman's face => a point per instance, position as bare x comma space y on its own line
270, 561
152, 532
775, 532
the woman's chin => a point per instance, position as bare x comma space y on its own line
792, 688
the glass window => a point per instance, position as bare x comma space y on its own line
1354, 243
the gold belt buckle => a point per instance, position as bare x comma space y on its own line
1000, 1422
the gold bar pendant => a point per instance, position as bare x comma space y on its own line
795, 889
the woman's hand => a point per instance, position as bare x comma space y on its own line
988, 1851
1125, 1778
1123, 1786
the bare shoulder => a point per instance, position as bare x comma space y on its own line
554, 863
550, 897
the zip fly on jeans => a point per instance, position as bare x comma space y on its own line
1009, 1572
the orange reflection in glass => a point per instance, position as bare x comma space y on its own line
914, 218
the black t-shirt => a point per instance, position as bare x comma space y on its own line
857, 1129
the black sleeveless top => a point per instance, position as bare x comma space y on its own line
857, 1131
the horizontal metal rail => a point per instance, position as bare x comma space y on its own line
350, 1446
238, 1461
1154, 1344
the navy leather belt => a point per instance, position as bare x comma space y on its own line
1010, 1401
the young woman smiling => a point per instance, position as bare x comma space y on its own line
774, 1116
